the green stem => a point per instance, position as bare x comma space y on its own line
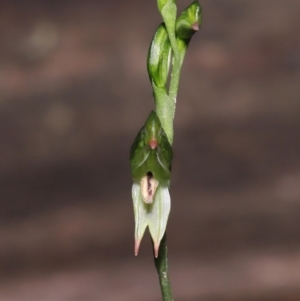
161, 264
174, 82
165, 107
166, 101
176, 65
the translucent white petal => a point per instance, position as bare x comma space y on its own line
158, 216
154, 215
140, 214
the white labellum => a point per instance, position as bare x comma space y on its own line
148, 188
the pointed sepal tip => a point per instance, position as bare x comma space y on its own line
156, 248
137, 247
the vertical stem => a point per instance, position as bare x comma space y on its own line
165, 108
161, 264
174, 83
176, 64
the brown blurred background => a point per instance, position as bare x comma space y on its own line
74, 91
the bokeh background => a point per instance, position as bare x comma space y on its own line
74, 91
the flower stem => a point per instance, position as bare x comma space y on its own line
165, 99
165, 106
174, 82
161, 264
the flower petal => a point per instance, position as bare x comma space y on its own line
158, 217
140, 215
154, 215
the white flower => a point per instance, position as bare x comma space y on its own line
150, 210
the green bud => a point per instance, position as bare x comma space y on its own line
159, 57
151, 154
162, 3
189, 21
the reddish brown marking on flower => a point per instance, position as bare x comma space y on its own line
195, 26
153, 143
149, 177
148, 187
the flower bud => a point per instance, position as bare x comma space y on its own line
159, 57
189, 21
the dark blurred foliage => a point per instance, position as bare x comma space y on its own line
74, 91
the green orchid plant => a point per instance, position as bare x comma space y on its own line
151, 153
